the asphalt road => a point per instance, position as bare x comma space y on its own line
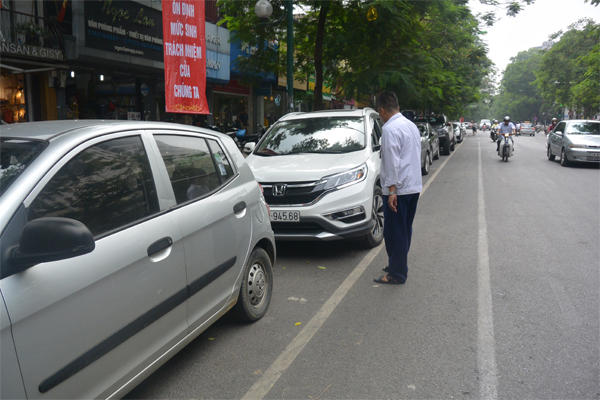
502, 299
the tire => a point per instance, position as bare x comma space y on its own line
563, 158
506, 151
551, 156
430, 158
257, 287
375, 237
425, 167
436, 156
452, 146
447, 148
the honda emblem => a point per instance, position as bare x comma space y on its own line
279, 190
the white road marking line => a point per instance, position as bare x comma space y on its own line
268, 379
486, 345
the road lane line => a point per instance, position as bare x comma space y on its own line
486, 347
267, 380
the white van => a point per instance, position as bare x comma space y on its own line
485, 122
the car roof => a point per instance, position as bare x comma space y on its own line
49, 130
594, 121
328, 113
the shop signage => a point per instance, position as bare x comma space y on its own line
124, 27
185, 56
244, 50
233, 87
217, 38
32, 51
217, 67
326, 88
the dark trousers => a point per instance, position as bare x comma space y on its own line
397, 232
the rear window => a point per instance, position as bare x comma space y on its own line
584, 128
16, 155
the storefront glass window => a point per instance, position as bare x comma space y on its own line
12, 98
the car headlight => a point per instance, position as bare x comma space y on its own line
577, 146
346, 178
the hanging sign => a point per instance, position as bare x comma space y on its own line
185, 56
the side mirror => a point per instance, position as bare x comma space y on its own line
559, 133
377, 147
249, 147
52, 239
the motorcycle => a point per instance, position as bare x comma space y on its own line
505, 149
493, 135
240, 138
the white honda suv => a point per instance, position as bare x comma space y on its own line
320, 175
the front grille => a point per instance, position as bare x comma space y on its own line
296, 227
297, 193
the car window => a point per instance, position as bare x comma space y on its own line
314, 135
15, 156
560, 127
106, 186
190, 166
422, 129
376, 134
583, 128
223, 166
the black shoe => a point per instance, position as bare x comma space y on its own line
386, 269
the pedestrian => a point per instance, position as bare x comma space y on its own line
401, 185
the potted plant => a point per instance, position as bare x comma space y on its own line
33, 33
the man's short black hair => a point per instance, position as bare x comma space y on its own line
388, 101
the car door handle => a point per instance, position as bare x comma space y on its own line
159, 245
239, 207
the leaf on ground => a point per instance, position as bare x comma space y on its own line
322, 267
211, 338
298, 323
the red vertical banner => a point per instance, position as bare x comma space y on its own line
185, 56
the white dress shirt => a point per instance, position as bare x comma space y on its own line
401, 156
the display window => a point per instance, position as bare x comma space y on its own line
12, 98
230, 110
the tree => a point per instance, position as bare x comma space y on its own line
519, 97
569, 73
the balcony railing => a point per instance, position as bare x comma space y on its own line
21, 28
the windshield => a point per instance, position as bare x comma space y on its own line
314, 135
433, 120
16, 155
583, 128
525, 125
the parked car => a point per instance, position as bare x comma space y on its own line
459, 132
576, 140
409, 114
430, 146
446, 135
121, 242
320, 173
527, 128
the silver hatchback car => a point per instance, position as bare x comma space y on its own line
120, 243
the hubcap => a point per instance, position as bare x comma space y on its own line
257, 285
377, 216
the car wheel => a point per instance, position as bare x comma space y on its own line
436, 156
257, 287
430, 158
563, 158
551, 156
374, 238
425, 168
447, 148
452, 146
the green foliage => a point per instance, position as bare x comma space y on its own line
569, 72
519, 97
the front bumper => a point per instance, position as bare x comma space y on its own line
316, 229
583, 155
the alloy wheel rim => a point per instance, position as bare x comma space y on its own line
257, 285
377, 216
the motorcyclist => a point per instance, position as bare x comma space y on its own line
494, 128
505, 127
552, 125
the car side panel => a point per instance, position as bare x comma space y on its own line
11, 383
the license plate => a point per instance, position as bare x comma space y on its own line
594, 154
285, 216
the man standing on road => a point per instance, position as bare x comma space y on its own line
401, 185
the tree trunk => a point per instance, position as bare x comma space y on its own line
318, 92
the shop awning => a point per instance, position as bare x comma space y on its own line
27, 67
